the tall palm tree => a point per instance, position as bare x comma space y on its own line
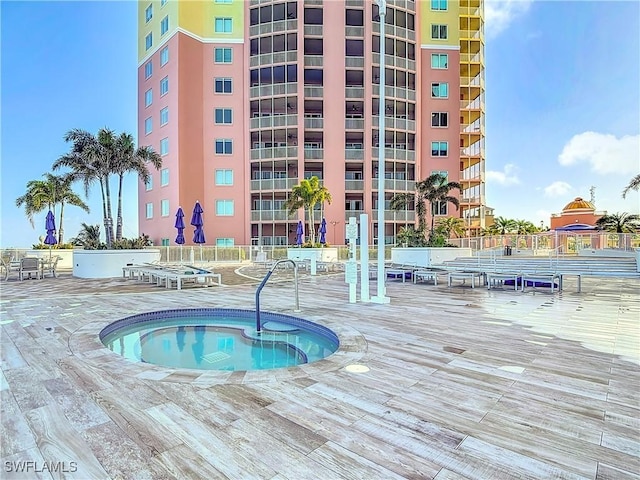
90, 161
88, 237
306, 195
46, 194
619, 223
451, 225
127, 159
433, 190
504, 225
634, 184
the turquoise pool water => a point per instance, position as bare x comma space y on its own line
219, 339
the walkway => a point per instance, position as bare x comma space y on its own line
462, 384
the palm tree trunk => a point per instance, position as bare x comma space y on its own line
119, 214
104, 211
110, 237
312, 232
60, 229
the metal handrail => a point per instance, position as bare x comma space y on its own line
264, 282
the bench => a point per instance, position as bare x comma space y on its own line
425, 275
464, 276
542, 280
502, 278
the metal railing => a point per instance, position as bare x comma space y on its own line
264, 282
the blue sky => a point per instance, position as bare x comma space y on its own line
562, 102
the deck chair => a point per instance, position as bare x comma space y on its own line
49, 266
29, 265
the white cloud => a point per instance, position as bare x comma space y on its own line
603, 153
557, 189
499, 14
508, 176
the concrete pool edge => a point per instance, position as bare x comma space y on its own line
86, 345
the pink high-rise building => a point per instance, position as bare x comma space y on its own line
243, 99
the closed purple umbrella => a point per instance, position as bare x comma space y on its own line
198, 222
323, 231
180, 227
299, 233
50, 226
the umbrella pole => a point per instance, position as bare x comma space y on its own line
180, 254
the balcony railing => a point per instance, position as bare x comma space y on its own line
274, 152
274, 121
269, 215
275, 89
313, 153
354, 92
395, 153
354, 154
313, 91
274, 184
354, 184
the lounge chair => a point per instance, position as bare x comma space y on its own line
49, 266
29, 265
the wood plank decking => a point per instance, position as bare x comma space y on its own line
462, 384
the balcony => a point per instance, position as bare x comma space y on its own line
354, 185
354, 154
395, 153
354, 92
352, 213
354, 123
395, 122
269, 121
313, 153
275, 89
313, 122
274, 152
393, 216
354, 62
313, 91
313, 60
269, 215
273, 184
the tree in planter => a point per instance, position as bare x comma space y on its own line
619, 223
433, 191
46, 194
127, 159
306, 195
94, 158
89, 238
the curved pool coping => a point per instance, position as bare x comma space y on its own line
85, 343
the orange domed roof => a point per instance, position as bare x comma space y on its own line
579, 204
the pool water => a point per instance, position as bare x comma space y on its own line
219, 341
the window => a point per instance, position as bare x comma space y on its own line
223, 25
164, 116
439, 32
440, 208
224, 147
149, 184
148, 41
439, 4
439, 119
439, 149
164, 208
223, 115
164, 177
439, 60
164, 146
164, 25
148, 13
148, 126
149, 210
164, 56
224, 242
148, 69
223, 85
224, 177
439, 90
148, 97
224, 207
164, 86
222, 55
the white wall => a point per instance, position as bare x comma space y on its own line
109, 263
427, 256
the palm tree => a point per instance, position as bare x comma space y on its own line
451, 225
504, 225
432, 190
307, 195
619, 223
46, 194
88, 237
524, 227
634, 184
90, 161
128, 158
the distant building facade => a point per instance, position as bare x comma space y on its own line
577, 215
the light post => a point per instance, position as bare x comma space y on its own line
380, 297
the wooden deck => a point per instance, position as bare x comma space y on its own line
461, 384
